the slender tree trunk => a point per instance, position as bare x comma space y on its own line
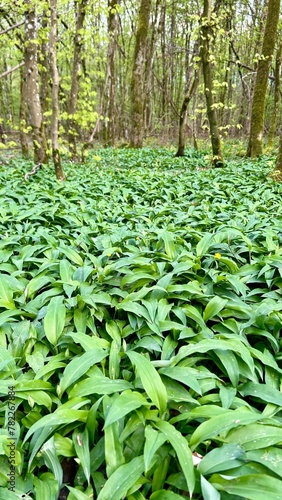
32, 86
276, 173
109, 124
277, 99
206, 40
137, 80
55, 92
45, 75
80, 8
23, 120
186, 101
255, 146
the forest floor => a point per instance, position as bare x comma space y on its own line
140, 319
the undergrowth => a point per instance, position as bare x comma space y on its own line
140, 319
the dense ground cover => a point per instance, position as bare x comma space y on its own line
140, 318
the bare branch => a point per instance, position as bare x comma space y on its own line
11, 28
6, 73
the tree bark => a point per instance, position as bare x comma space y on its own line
32, 86
23, 118
77, 58
186, 101
255, 146
109, 124
137, 80
277, 99
206, 39
55, 92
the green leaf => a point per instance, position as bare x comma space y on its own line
221, 459
263, 392
204, 244
81, 445
252, 486
183, 375
255, 436
208, 490
182, 450
215, 305
150, 379
54, 320
154, 440
117, 486
80, 365
125, 403
221, 423
165, 495
95, 384
59, 417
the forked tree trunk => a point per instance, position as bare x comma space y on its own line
55, 92
206, 40
255, 146
137, 80
32, 87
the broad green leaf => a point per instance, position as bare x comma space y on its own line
72, 255
51, 460
255, 436
222, 423
165, 495
203, 245
154, 440
208, 490
183, 375
263, 392
98, 385
182, 450
150, 379
45, 487
270, 457
88, 342
193, 313
215, 305
81, 445
59, 417
80, 365
122, 480
79, 495
220, 459
125, 403
252, 486
54, 320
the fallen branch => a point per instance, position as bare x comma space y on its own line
33, 171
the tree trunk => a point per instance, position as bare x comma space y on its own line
23, 120
109, 124
80, 8
255, 146
137, 80
276, 173
186, 101
206, 39
277, 99
32, 87
55, 92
